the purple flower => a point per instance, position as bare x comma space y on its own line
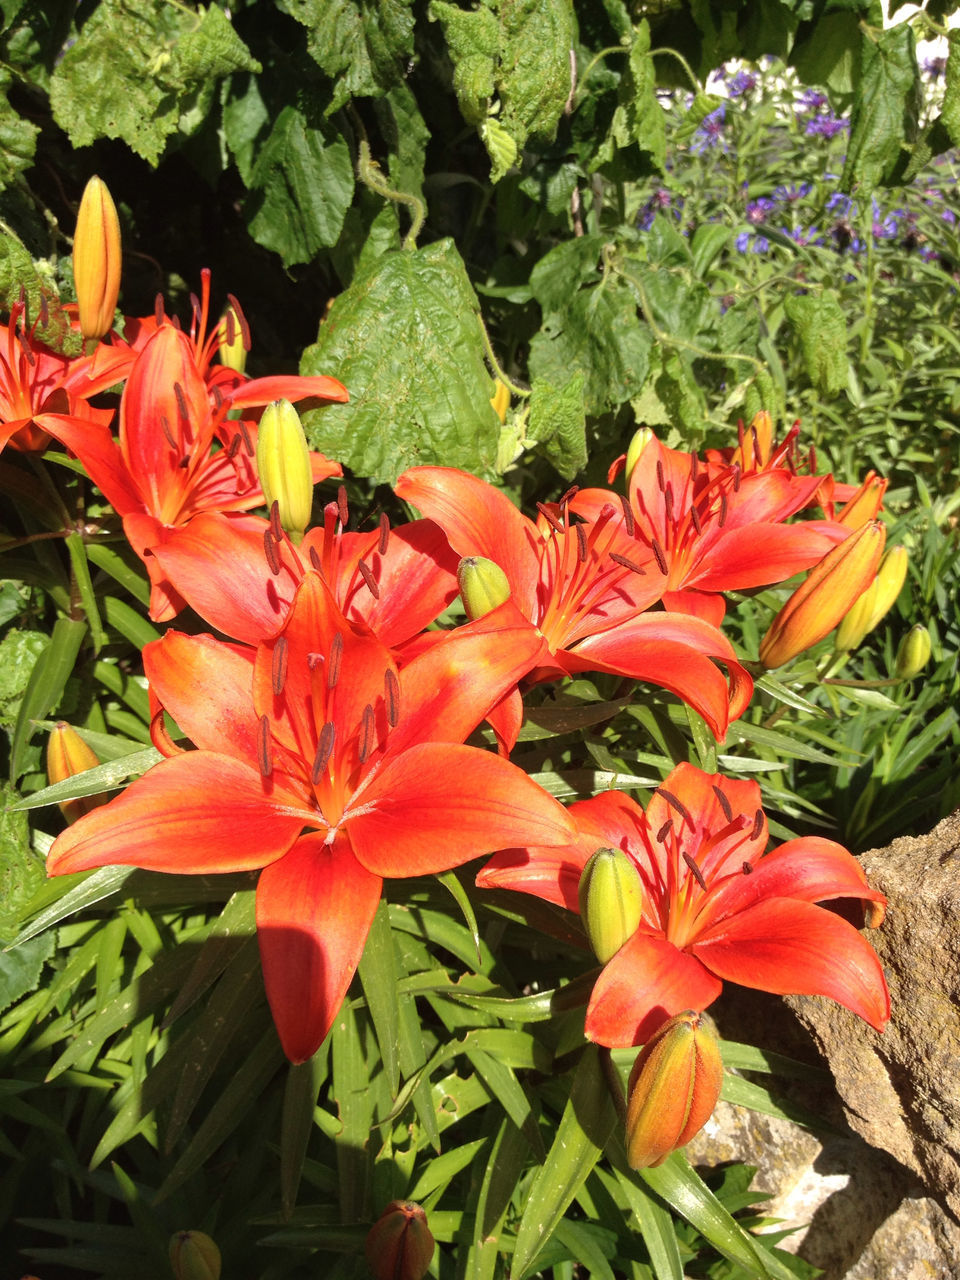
812, 100
825, 126
742, 241
841, 205
792, 193
741, 83
710, 131
934, 67
759, 210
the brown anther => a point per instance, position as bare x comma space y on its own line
334, 660
581, 542
278, 671
181, 402
25, 347
740, 433
757, 825
694, 466
723, 511
230, 327
324, 751
661, 480
677, 804
384, 533
696, 520
736, 477
245, 432
217, 398
369, 579
233, 448
662, 833
315, 560
184, 462
167, 433
263, 747
158, 312
661, 558
270, 551
569, 495
668, 502
368, 734
695, 871
756, 447
175, 324
748, 868
391, 695
625, 563
276, 528
723, 802
550, 518
812, 459
342, 509
44, 311
628, 521
242, 319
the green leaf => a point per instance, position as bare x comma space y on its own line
639, 120
655, 1223
405, 340
105, 777
557, 276
951, 97
821, 326
885, 110
299, 1100
378, 977
47, 681
18, 137
134, 70
558, 423
830, 55
451, 883
473, 40
19, 653
501, 1173
21, 966
533, 76
301, 187
362, 45
585, 1127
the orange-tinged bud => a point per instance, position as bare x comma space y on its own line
673, 1088
283, 465
756, 442
500, 400
232, 351
865, 503
194, 1256
611, 901
641, 438
96, 259
830, 590
856, 621
913, 653
483, 586
68, 755
399, 1244
891, 576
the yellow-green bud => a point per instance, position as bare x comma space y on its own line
483, 586
673, 1088
641, 438
283, 463
400, 1245
500, 400
855, 623
96, 259
891, 576
233, 349
913, 654
611, 901
194, 1256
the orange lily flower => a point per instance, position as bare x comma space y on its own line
716, 907
323, 764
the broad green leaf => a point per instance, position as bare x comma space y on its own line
406, 135
821, 326
21, 871
405, 340
884, 116
558, 275
362, 45
951, 97
133, 71
639, 120
301, 187
18, 137
558, 423
378, 977
19, 652
533, 76
21, 966
831, 54
585, 1127
473, 39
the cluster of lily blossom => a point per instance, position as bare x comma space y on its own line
321, 732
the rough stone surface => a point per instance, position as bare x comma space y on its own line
901, 1089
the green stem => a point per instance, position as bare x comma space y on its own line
523, 392
612, 1077
369, 174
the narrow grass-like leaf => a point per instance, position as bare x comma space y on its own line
112, 561
226, 936
501, 1174
585, 1242
81, 575
442, 1169
378, 977
451, 882
68, 895
104, 777
47, 680
506, 1089
296, 1124
350, 1088
655, 1223
131, 625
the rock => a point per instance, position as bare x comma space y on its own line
900, 1088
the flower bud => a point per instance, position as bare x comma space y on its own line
865, 503
830, 590
913, 653
283, 464
891, 576
483, 586
855, 623
232, 351
757, 441
96, 259
68, 755
500, 400
611, 901
673, 1088
399, 1244
194, 1256
641, 438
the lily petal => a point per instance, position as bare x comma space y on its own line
207, 687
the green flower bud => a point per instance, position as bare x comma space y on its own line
399, 1244
194, 1256
483, 586
891, 576
283, 463
855, 623
611, 901
673, 1088
913, 654
641, 438
233, 340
